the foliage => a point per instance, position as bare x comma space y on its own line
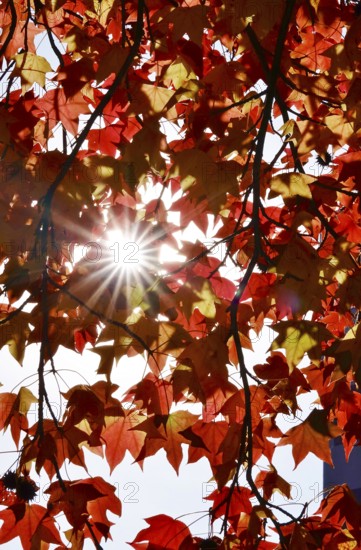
244, 119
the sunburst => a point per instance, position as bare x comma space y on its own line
121, 266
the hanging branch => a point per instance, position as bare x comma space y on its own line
246, 450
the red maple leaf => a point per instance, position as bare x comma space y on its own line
56, 107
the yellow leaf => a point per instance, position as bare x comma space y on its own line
177, 73
149, 98
198, 293
31, 68
102, 9
298, 338
53, 5
291, 131
291, 184
24, 400
314, 4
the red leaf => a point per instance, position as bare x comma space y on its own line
29, 522
312, 435
165, 532
239, 502
58, 107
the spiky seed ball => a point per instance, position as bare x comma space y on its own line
9, 480
26, 489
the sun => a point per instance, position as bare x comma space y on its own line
126, 250
122, 266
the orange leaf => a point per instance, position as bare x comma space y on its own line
163, 531
58, 107
30, 523
119, 437
311, 436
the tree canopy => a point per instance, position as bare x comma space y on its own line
176, 176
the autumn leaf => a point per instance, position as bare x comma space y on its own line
165, 432
270, 481
30, 522
24, 400
7, 401
197, 293
289, 185
203, 177
163, 531
298, 338
154, 395
150, 98
56, 107
157, 126
119, 437
239, 502
57, 444
31, 68
112, 61
341, 504
102, 10
311, 436
177, 73
78, 500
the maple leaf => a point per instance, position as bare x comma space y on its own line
17, 41
203, 177
270, 481
176, 102
298, 338
144, 154
346, 351
107, 139
312, 435
31, 68
151, 99
75, 76
165, 432
339, 506
31, 523
82, 498
197, 293
178, 73
7, 401
163, 532
91, 404
111, 62
289, 185
155, 395
239, 502
57, 444
201, 360
58, 108
119, 437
